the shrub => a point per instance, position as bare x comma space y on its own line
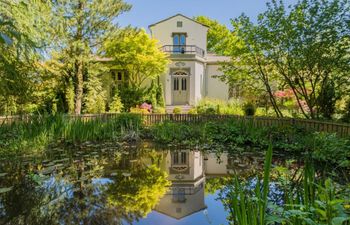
116, 104
177, 110
327, 99
137, 110
346, 116
131, 96
159, 110
249, 109
216, 106
192, 111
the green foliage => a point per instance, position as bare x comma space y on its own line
160, 95
311, 203
132, 97
159, 110
177, 110
216, 106
134, 51
95, 97
34, 137
231, 133
219, 36
327, 99
298, 48
330, 149
116, 105
249, 207
20, 51
249, 109
154, 95
139, 193
346, 116
193, 111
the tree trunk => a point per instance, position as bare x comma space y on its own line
79, 82
78, 88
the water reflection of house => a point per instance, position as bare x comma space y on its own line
186, 194
188, 170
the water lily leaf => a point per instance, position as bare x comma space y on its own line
3, 174
4, 190
339, 220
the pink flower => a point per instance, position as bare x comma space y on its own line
146, 106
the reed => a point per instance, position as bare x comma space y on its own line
313, 202
37, 134
249, 208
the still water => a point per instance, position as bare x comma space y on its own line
121, 185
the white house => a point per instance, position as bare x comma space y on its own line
193, 72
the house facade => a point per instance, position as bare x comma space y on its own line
193, 72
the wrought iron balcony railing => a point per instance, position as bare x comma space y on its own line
183, 49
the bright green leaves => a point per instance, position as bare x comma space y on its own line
139, 54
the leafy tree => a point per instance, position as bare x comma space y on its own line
82, 26
220, 38
20, 47
308, 46
249, 67
303, 49
135, 51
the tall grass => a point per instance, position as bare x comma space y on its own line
313, 202
35, 135
251, 209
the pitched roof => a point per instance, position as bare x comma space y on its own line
179, 14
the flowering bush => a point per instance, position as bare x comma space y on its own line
146, 106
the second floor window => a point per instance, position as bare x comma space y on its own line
179, 42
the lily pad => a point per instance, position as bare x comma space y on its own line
4, 190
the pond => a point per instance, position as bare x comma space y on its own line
108, 184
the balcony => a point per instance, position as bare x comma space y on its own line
183, 49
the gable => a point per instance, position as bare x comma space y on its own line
180, 16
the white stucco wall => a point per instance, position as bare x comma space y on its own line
196, 33
199, 85
215, 87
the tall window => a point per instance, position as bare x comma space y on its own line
179, 42
184, 84
179, 158
176, 84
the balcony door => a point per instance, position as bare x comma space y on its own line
179, 42
180, 86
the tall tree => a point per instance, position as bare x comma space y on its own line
249, 67
309, 46
22, 38
83, 25
305, 48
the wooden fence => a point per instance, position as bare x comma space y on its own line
341, 129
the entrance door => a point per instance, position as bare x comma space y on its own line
180, 87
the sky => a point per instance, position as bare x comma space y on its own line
147, 12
